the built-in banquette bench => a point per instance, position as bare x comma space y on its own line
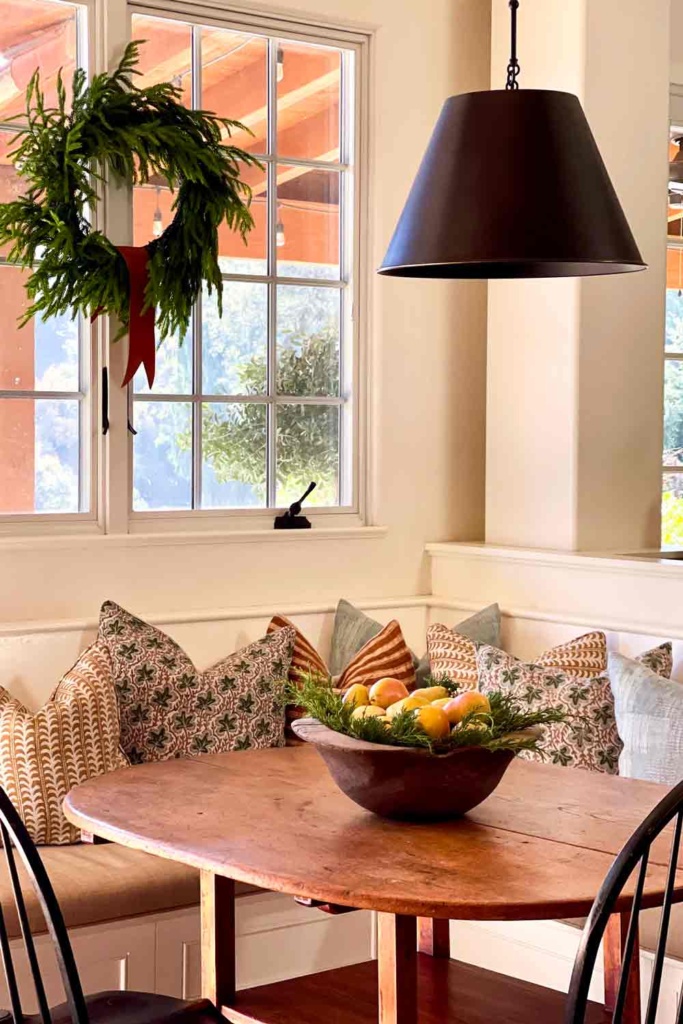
134, 918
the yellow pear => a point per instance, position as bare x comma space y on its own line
433, 693
358, 695
407, 704
368, 711
387, 691
433, 721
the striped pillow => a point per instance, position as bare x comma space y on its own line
74, 737
386, 654
455, 656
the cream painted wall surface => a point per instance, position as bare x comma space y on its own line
427, 382
576, 367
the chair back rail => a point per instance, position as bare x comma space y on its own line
15, 837
633, 857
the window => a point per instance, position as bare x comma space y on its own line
672, 496
250, 407
44, 367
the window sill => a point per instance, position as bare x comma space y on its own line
79, 541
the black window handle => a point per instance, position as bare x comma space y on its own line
105, 400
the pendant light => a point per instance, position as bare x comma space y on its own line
512, 185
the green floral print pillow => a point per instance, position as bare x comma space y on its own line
587, 738
168, 709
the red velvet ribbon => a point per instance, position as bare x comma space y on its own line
141, 346
141, 343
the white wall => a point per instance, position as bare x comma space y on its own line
427, 348
676, 43
575, 367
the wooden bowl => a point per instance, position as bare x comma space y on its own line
406, 782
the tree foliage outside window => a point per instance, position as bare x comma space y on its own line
672, 495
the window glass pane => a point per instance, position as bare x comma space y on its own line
162, 472
39, 455
234, 455
672, 511
308, 329
35, 34
43, 355
674, 319
234, 346
234, 255
307, 449
153, 212
308, 92
234, 83
11, 186
673, 413
307, 223
173, 373
166, 54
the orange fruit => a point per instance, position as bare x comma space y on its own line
433, 721
407, 704
368, 711
357, 695
471, 700
387, 691
441, 702
433, 693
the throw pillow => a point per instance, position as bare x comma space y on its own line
659, 659
385, 654
353, 628
454, 655
588, 737
649, 714
169, 709
74, 737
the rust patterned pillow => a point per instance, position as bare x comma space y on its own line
74, 737
169, 709
588, 737
659, 659
455, 656
386, 654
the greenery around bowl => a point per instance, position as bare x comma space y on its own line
508, 726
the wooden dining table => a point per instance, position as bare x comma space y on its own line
537, 849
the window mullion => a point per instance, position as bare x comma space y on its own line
197, 334
271, 426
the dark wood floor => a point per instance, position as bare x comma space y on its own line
449, 993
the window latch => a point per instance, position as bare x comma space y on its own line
105, 400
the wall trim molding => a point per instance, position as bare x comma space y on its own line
625, 595
643, 564
37, 626
562, 619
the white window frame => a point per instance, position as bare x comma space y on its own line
354, 263
110, 456
672, 242
88, 390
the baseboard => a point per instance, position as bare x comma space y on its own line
543, 952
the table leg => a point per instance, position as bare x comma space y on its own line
397, 968
614, 944
218, 938
434, 937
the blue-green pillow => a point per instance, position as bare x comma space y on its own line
649, 714
353, 628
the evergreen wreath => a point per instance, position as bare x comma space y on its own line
133, 135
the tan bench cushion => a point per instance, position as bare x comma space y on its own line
649, 930
104, 882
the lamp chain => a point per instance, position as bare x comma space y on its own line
513, 67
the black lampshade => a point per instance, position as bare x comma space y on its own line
512, 185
